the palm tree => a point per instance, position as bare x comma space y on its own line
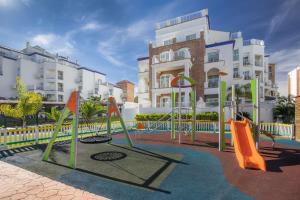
285, 109
29, 103
90, 109
54, 114
241, 91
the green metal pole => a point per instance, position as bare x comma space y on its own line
222, 91
108, 121
58, 125
126, 132
193, 100
223, 84
255, 102
123, 124
73, 152
173, 134
233, 107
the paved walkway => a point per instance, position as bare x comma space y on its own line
17, 183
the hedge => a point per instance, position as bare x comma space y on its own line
206, 116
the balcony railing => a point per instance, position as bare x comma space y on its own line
182, 19
175, 58
253, 42
213, 84
246, 63
237, 76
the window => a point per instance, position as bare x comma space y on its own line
236, 55
258, 60
1, 69
247, 75
181, 81
60, 87
246, 60
165, 56
155, 59
60, 75
213, 57
236, 73
180, 54
168, 42
165, 81
165, 101
40, 86
110, 91
191, 37
60, 98
213, 81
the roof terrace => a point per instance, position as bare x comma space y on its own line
181, 19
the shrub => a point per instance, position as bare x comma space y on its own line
206, 116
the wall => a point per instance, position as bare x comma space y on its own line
129, 111
197, 51
180, 31
297, 119
70, 74
294, 83
128, 90
8, 79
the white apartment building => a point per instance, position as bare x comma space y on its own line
294, 82
187, 45
51, 75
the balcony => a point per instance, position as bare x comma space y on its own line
168, 90
253, 42
211, 88
247, 64
219, 65
237, 76
172, 64
181, 19
247, 77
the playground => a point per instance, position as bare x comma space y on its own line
174, 159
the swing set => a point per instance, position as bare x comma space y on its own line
72, 107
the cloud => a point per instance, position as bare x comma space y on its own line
54, 43
115, 47
280, 17
14, 3
62, 44
91, 26
108, 53
285, 60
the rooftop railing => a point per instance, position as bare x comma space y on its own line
181, 19
254, 42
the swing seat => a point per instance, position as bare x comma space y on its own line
96, 139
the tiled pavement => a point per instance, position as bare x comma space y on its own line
17, 183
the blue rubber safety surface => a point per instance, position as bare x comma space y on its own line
201, 177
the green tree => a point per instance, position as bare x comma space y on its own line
285, 109
90, 109
54, 114
28, 103
241, 92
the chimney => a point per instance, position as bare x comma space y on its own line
27, 44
